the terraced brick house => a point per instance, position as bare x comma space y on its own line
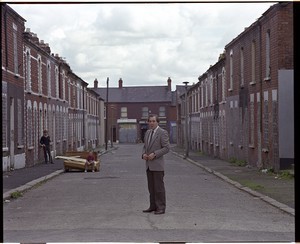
128, 109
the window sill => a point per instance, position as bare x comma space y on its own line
20, 146
30, 148
267, 79
265, 150
5, 149
230, 89
252, 83
251, 146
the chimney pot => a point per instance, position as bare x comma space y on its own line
120, 83
96, 83
169, 83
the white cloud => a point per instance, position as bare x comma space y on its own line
142, 43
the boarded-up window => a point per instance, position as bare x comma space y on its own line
162, 112
15, 40
145, 112
268, 55
29, 125
4, 114
20, 122
124, 112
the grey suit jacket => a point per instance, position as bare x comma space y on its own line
160, 145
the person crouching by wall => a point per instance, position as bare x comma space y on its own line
90, 160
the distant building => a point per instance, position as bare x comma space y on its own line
128, 109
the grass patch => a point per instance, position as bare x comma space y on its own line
282, 174
16, 194
285, 174
200, 153
238, 162
252, 185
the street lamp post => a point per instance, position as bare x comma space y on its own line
106, 121
186, 122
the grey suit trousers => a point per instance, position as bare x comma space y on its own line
156, 189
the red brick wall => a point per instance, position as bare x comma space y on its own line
15, 84
278, 21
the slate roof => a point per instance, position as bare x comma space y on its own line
136, 94
181, 89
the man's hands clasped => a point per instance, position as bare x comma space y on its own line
149, 157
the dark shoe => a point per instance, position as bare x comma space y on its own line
159, 212
52, 162
149, 210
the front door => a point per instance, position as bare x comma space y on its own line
12, 135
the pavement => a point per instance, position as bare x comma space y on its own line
275, 189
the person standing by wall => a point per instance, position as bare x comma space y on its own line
45, 143
156, 145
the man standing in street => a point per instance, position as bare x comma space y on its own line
155, 147
45, 143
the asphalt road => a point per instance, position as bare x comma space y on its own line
107, 206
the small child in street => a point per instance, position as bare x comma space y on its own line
90, 160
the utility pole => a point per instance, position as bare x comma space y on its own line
106, 109
186, 122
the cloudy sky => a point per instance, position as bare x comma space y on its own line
144, 44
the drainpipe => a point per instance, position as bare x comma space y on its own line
83, 117
260, 93
5, 30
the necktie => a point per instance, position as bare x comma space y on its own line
151, 136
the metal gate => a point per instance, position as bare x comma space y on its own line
127, 133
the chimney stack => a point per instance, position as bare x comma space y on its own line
169, 84
96, 83
120, 83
